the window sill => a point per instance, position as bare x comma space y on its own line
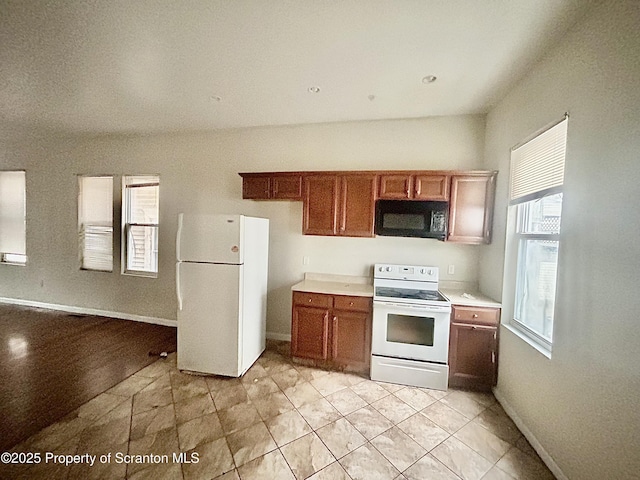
18, 264
527, 339
140, 274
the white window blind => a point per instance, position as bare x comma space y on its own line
537, 166
95, 222
12, 217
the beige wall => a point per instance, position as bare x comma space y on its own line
581, 405
199, 173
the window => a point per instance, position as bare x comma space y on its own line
537, 233
537, 176
13, 218
95, 222
140, 224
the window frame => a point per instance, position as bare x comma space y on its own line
517, 235
18, 258
520, 236
126, 226
81, 223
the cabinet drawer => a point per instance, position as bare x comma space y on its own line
315, 299
360, 304
486, 316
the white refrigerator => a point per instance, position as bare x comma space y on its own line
221, 284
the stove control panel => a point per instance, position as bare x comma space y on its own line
406, 272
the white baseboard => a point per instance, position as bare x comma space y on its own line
537, 446
124, 316
279, 336
90, 311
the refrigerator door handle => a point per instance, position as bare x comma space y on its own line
179, 237
178, 290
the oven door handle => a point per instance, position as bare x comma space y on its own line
421, 308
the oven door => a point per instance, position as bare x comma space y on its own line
416, 332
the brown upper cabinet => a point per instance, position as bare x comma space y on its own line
337, 204
320, 205
343, 203
471, 207
272, 186
414, 187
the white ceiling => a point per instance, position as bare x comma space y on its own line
100, 66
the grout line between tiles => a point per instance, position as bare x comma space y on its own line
272, 367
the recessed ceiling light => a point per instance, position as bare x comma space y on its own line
429, 79
314, 89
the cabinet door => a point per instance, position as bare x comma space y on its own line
431, 187
310, 332
357, 205
320, 207
395, 186
472, 356
256, 188
286, 187
471, 208
351, 339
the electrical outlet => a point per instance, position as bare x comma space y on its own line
305, 260
451, 270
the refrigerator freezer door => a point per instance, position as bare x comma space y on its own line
209, 238
209, 321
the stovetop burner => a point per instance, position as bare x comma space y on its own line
395, 292
408, 284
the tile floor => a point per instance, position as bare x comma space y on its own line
282, 421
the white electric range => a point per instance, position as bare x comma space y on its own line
410, 338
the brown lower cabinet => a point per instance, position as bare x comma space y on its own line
332, 331
473, 347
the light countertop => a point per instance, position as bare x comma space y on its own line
470, 298
363, 287
335, 285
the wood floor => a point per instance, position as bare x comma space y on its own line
53, 362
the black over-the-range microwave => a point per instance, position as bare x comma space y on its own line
412, 218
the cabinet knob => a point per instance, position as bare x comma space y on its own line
351, 304
475, 315
309, 300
